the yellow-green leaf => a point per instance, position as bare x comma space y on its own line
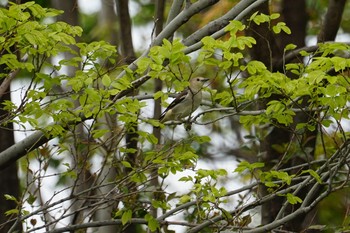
126, 217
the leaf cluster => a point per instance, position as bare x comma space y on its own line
93, 92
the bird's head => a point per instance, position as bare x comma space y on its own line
197, 83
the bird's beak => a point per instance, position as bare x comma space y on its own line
204, 80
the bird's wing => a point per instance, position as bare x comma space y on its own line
179, 98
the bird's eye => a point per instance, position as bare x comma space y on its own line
198, 79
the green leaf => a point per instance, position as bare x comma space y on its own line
186, 179
152, 222
270, 184
126, 217
290, 47
244, 165
334, 90
313, 174
254, 67
126, 164
53, 12
98, 133
261, 18
292, 199
158, 95
281, 26
185, 198
275, 16
225, 98
10, 198
234, 26
283, 176
106, 80
12, 212
138, 177
31, 199
201, 139
208, 40
245, 41
143, 64
253, 16
37, 11
304, 53
167, 43
339, 63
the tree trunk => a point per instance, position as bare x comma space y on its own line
8, 176
269, 49
265, 51
128, 56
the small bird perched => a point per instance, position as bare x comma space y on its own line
186, 102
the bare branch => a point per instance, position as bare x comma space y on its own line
6, 82
174, 10
193, 47
21, 148
217, 24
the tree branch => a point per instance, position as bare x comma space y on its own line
182, 18
221, 32
7, 81
21, 148
332, 21
217, 24
125, 32
174, 10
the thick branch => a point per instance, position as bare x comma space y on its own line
217, 24
6, 82
332, 21
221, 32
125, 32
174, 10
21, 148
182, 18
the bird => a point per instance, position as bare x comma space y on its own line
186, 102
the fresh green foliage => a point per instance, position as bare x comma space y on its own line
244, 165
102, 101
292, 199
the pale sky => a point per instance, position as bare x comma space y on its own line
89, 6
